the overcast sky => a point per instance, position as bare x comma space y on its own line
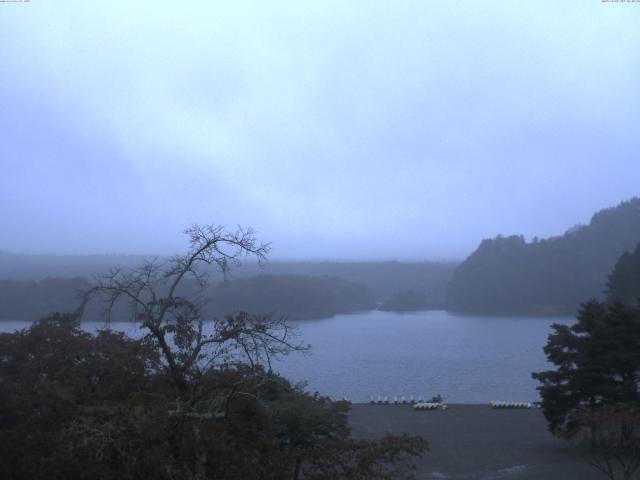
347, 129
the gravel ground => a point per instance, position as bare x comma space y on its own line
477, 442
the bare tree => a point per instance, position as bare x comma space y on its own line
190, 343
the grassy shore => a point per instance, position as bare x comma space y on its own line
476, 442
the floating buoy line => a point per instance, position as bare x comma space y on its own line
420, 404
430, 406
495, 404
395, 400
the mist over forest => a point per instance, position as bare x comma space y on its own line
504, 275
301, 290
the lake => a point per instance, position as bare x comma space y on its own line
464, 358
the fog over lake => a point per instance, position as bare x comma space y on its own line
466, 359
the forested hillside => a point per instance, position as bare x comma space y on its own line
409, 301
384, 279
296, 296
549, 276
624, 281
32, 300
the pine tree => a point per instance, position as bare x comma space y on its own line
597, 364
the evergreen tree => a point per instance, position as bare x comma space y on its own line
624, 280
597, 364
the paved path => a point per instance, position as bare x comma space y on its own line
474, 442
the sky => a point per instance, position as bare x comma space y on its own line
338, 130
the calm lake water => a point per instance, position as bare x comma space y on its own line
466, 359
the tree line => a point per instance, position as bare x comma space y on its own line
553, 276
298, 296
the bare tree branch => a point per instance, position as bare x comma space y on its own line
177, 324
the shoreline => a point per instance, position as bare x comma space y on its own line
476, 442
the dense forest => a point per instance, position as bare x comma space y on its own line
299, 297
624, 281
408, 301
294, 295
384, 279
548, 276
31, 300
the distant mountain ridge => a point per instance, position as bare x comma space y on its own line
551, 276
384, 278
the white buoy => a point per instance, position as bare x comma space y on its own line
509, 405
429, 406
